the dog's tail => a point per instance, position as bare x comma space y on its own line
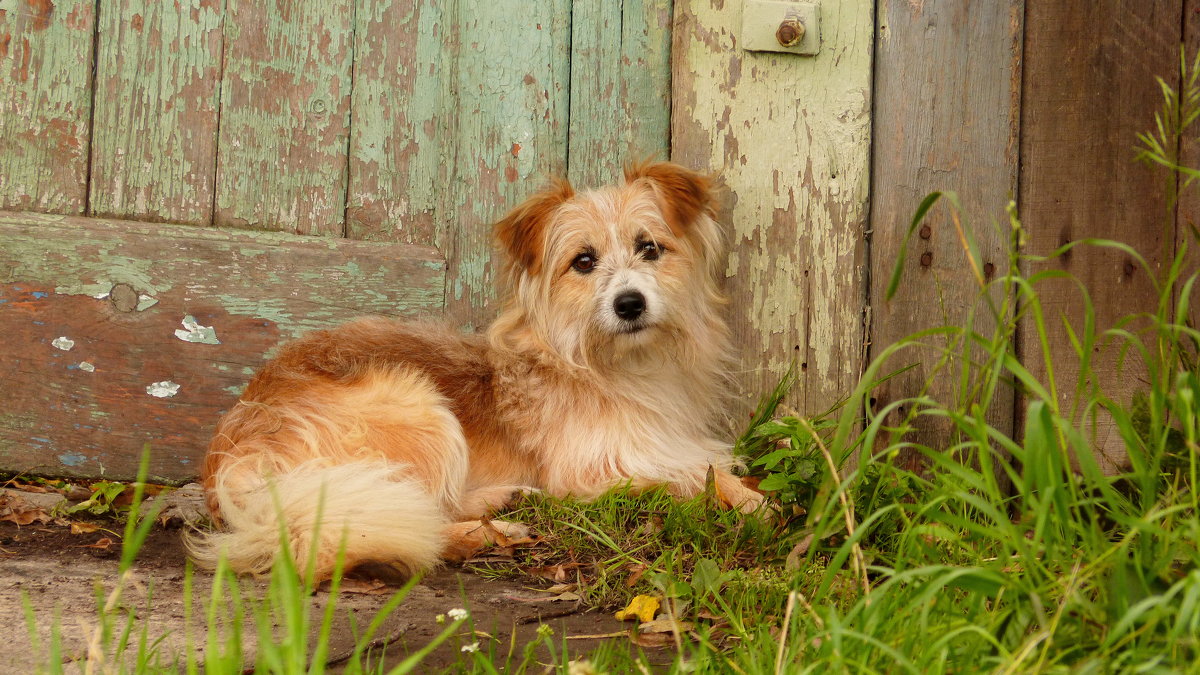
322, 515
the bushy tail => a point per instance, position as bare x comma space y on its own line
361, 511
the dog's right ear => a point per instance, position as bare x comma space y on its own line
521, 233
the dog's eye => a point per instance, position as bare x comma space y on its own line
649, 250
584, 263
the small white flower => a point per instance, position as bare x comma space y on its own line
473, 647
457, 614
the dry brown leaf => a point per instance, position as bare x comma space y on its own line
665, 626
652, 640
637, 571
597, 636
561, 597
16, 509
78, 527
365, 587
103, 543
798, 551
560, 588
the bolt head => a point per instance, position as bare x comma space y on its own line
790, 33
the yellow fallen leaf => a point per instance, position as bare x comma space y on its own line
643, 608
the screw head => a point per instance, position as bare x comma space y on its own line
790, 32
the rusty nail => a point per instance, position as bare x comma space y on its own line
988, 270
926, 231
927, 258
790, 32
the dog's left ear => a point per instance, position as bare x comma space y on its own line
684, 195
521, 233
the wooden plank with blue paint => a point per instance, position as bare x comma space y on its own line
509, 132
620, 87
154, 143
400, 155
120, 333
45, 104
285, 116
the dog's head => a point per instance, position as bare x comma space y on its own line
619, 270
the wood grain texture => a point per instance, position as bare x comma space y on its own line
1084, 101
620, 87
791, 135
947, 110
1187, 221
122, 294
285, 115
45, 104
509, 132
154, 142
401, 109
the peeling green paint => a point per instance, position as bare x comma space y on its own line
158, 69
285, 117
45, 104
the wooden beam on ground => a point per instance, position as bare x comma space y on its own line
119, 333
947, 108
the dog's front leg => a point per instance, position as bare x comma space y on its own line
732, 493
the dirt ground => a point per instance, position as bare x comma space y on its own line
59, 571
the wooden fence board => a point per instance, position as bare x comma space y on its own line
620, 87
158, 69
121, 333
400, 161
1187, 222
285, 115
45, 104
791, 135
509, 133
947, 99
1084, 102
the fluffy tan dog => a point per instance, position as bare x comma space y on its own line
389, 441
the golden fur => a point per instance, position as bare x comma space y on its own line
399, 437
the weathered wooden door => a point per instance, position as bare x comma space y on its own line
185, 185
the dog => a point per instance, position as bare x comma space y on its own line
389, 443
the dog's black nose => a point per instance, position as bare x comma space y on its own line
629, 306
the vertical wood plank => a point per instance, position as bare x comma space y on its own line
791, 136
1187, 221
1084, 102
45, 104
947, 109
155, 138
509, 134
285, 114
620, 86
401, 109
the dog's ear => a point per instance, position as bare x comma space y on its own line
683, 195
521, 232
